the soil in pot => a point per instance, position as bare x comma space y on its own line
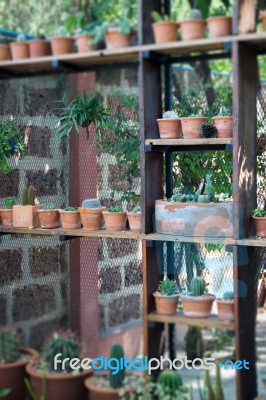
83, 43
70, 219
99, 389
165, 305
191, 127
219, 26
169, 128
114, 39
197, 306
225, 309
12, 375
92, 218
224, 126
49, 219
4, 52
39, 48
115, 221
63, 386
260, 226
19, 50
62, 45
165, 31
134, 220
6, 216
192, 29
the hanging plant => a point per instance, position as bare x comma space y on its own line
11, 142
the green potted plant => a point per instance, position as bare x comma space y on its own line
164, 27
191, 126
7, 212
218, 23
11, 142
49, 216
134, 219
225, 307
25, 215
259, 217
166, 297
70, 218
62, 42
13, 361
102, 388
60, 378
193, 27
83, 24
20, 48
197, 303
117, 33
81, 111
115, 219
169, 125
91, 214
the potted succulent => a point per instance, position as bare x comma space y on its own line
102, 388
49, 216
115, 219
197, 303
225, 307
81, 111
194, 26
134, 219
70, 218
164, 27
7, 212
39, 47
60, 378
25, 215
11, 142
169, 125
219, 24
166, 297
191, 126
13, 361
259, 216
4, 52
224, 122
62, 43
91, 214
20, 48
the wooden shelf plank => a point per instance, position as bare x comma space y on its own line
252, 241
187, 142
189, 239
179, 318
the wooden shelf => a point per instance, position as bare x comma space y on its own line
252, 241
189, 239
179, 318
187, 142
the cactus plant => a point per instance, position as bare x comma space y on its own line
208, 385
167, 287
218, 390
228, 296
91, 203
9, 347
198, 286
136, 210
115, 209
65, 343
9, 202
170, 115
194, 343
69, 208
170, 381
49, 206
209, 189
194, 14
116, 380
28, 195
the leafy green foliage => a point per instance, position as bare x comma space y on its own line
81, 112
4, 392
9, 202
157, 17
259, 212
9, 346
167, 287
68, 208
115, 209
48, 206
11, 142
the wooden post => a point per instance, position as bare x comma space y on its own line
244, 192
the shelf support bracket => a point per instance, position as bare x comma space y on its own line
64, 238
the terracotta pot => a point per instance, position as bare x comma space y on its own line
225, 309
4, 52
165, 31
92, 218
114, 39
39, 48
219, 26
134, 220
191, 127
70, 219
62, 45
165, 305
169, 128
26, 216
49, 219
12, 375
224, 126
83, 43
7, 216
19, 50
115, 221
260, 226
197, 306
66, 386
105, 393
263, 19
192, 29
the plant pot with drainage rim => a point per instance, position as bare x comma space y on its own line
134, 219
49, 216
197, 303
193, 27
70, 218
225, 307
259, 218
115, 219
166, 297
191, 126
169, 126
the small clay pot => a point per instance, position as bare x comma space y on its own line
70, 219
105, 393
197, 306
191, 127
165, 305
115, 40
4, 52
19, 50
260, 226
192, 29
219, 26
225, 310
169, 128
39, 48
263, 19
7, 216
165, 31
83, 43
91, 218
134, 220
62, 45
49, 219
224, 126
115, 221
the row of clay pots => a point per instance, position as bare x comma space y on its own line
90, 218
194, 306
190, 126
165, 31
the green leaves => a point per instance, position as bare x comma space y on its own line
167, 287
11, 142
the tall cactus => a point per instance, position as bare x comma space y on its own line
198, 286
171, 382
208, 385
28, 195
9, 347
219, 394
209, 189
116, 380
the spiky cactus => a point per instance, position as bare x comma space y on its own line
9, 347
170, 381
167, 287
28, 195
194, 343
65, 343
194, 14
116, 380
208, 385
219, 394
91, 203
209, 189
228, 296
198, 286
170, 115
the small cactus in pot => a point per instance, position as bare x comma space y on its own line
169, 125
225, 307
166, 297
9, 347
134, 219
25, 214
91, 214
70, 218
115, 219
49, 216
193, 27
